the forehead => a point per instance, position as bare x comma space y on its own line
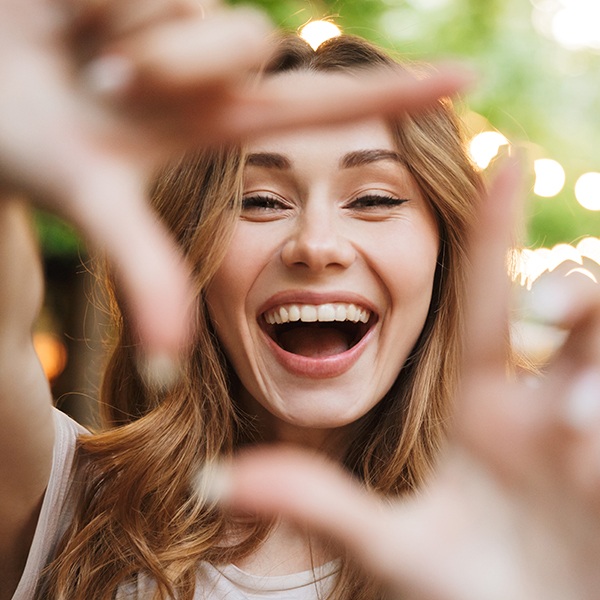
327, 143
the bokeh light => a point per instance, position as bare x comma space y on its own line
589, 247
587, 191
571, 23
527, 265
485, 146
562, 253
317, 32
549, 177
576, 25
51, 352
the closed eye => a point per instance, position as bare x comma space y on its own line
372, 201
264, 206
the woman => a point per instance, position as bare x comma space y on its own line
328, 269
329, 314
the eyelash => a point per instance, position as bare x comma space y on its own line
262, 202
376, 201
366, 201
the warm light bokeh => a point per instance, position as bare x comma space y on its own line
317, 32
549, 177
485, 146
51, 352
527, 265
587, 191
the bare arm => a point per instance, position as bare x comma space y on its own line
26, 428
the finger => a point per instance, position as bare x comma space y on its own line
396, 543
183, 55
488, 401
331, 98
569, 301
112, 19
580, 448
311, 491
572, 303
258, 486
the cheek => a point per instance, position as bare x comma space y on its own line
406, 260
228, 292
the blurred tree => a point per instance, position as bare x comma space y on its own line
57, 238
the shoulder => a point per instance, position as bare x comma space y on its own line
57, 507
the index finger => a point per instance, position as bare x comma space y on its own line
331, 98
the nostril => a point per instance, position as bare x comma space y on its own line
318, 252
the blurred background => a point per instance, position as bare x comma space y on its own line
539, 91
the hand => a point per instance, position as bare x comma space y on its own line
97, 94
513, 510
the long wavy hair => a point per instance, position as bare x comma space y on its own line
136, 511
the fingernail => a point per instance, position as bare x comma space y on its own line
532, 382
109, 75
583, 405
160, 372
212, 482
549, 301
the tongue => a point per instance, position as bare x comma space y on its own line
314, 342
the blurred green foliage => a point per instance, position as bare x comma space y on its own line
535, 92
57, 238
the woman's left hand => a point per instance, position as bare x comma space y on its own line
513, 510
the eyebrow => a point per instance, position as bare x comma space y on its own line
273, 160
269, 160
365, 157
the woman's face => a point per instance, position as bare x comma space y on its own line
327, 281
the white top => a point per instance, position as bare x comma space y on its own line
230, 583
213, 583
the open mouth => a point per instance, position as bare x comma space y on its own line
317, 331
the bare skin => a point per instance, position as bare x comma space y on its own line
26, 442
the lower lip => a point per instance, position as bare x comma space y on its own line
319, 368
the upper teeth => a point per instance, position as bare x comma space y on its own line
310, 313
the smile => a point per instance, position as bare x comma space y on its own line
321, 313
317, 339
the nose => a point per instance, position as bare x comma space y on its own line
317, 243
